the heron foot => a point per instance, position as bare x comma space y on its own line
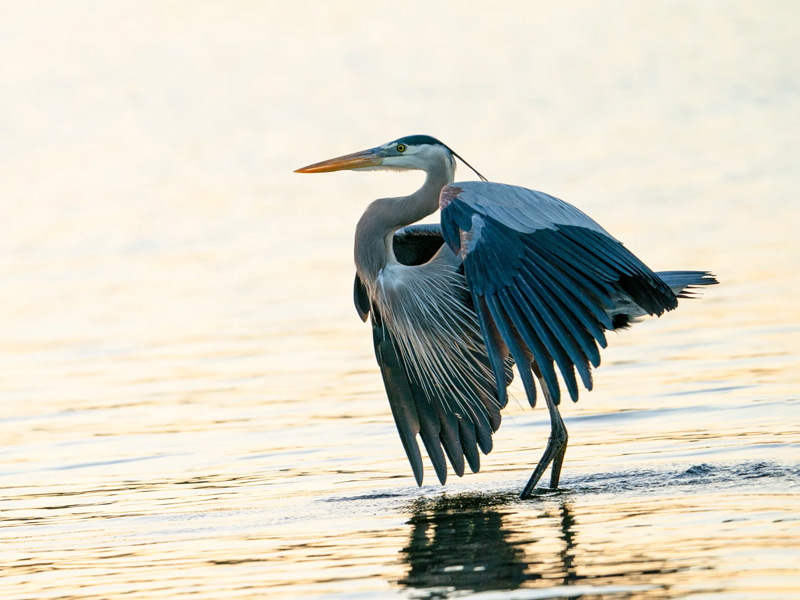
553, 454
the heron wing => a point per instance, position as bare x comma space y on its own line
545, 276
418, 409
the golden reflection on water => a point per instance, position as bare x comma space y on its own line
190, 406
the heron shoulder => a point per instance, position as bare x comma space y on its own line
519, 208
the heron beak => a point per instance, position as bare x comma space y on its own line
365, 159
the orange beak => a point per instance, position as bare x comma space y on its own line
357, 160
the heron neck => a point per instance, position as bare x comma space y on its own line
373, 247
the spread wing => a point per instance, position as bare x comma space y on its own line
446, 427
548, 278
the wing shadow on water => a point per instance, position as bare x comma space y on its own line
482, 543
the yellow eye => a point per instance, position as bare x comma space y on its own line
401, 147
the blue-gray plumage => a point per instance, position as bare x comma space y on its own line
511, 276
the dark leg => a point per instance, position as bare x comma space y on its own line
559, 432
555, 450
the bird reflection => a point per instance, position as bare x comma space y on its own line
459, 543
478, 543
568, 551
462, 543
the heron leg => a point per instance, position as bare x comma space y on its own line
559, 432
555, 450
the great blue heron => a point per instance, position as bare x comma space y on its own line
511, 276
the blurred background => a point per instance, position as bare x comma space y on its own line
188, 401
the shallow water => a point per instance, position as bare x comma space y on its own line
190, 405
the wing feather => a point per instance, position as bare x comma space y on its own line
565, 326
537, 311
504, 326
469, 440
401, 398
492, 349
451, 441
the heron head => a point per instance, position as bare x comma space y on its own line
412, 152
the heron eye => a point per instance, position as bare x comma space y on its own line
401, 147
